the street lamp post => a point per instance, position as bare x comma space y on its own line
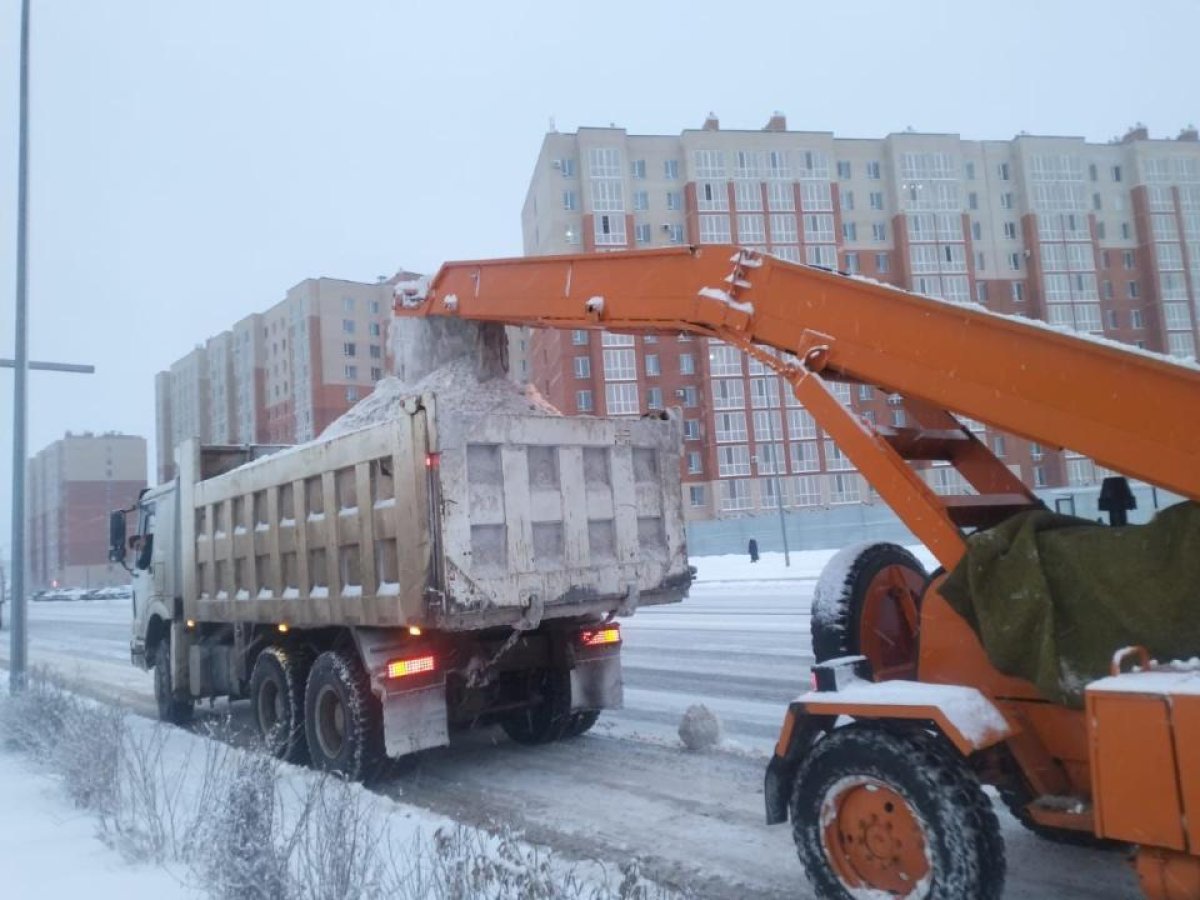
21, 366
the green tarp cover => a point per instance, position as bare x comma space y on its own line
1053, 597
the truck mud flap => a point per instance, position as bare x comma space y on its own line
415, 719
596, 683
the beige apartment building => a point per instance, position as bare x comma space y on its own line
281, 376
1099, 238
72, 485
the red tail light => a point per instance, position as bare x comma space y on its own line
431, 460
399, 668
598, 637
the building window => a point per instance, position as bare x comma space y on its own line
879, 231
654, 398
733, 461
873, 171
352, 373
1125, 232
852, 265
583, 401
620, 365
579, 337
641, 200
637, 168
981, 292
694, 463
376, 373
1039, 476
969, 168
621, 399
980, 261
1108, 291
1003, 171
691, 397
849, 231
653, 369
352, 394
1006, 200
674, 200
843, 169
848, 200
881, 263
1127, 259
569, 201
610, 229
1014, 261
1010, 230
1133, 290
671, 169
376, 351
348, 304
374, 329
1018, 292
583, 367
348, 326
676, 234
1110, 316
1116, 173
641, 233
696, 494
349, 349
691, 429
875, 199
1101, 231
1135, 318
976, 231
972, 200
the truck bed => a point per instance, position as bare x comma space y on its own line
442, 520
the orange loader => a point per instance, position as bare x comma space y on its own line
881, 766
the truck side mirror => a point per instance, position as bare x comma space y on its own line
116, 536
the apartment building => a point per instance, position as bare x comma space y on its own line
71, 487
280, 376
1099, 238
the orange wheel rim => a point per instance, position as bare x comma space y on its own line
887, 630
873, 839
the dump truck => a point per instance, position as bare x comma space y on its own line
372, 592
880, 766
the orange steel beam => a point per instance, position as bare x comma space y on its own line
1130, 412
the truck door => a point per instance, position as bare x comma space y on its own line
142, 574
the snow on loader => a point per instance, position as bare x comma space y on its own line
881, 766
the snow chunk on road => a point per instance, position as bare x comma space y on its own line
700, 728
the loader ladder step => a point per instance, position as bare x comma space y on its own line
985, 510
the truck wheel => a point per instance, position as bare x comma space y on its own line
885, 812
277, 697
343, 720
549, 718
867, 602
170, 707
582, 722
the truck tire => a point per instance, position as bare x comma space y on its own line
867, 602
171, 708
343, 719
582, 722
894, 812
277, 687
549, 717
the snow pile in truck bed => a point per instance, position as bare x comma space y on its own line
457, 389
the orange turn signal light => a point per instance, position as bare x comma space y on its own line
600, 636
398, 668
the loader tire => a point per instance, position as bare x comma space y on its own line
894, 811
549, 716
171, 707
277, 687
867, 602
343, 719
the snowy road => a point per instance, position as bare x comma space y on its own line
741, 648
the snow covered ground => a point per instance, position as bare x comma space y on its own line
739, 644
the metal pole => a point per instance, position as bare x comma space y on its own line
787, 559
16, 664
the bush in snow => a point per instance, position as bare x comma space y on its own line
700, 728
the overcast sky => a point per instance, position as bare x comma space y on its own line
192, 160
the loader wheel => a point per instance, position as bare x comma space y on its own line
894, 812
343, 719
171, 708
868, 602
549, 717
277, 687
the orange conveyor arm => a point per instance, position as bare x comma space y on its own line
1132, 412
